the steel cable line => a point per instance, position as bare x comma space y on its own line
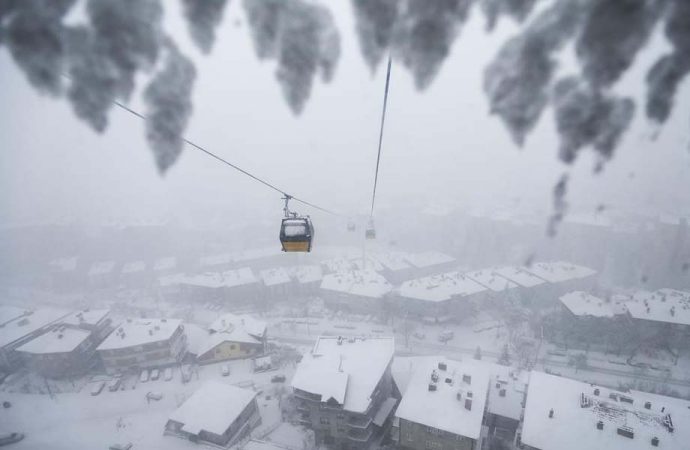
234, 166
383, 120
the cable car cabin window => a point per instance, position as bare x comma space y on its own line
297, 229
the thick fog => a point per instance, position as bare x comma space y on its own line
531, 222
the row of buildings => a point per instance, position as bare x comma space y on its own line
60, 344
352, 392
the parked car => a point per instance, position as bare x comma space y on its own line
154, 396
97, 388
168, 374
278, 379
144, 377
155, 374
10, 438
225, 370
115, 384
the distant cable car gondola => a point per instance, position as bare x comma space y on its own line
351, 226
296, 232
370, 232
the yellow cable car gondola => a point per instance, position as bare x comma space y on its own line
296, 232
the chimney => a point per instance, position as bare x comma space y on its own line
432, 387
655, 441
647, 405
596, 391
551, 413
468, 404
467, 379
600, 425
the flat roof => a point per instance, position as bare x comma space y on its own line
229, 278
275, 276
393, 261
663, 305
338, 264
216, 260
86, 317
213, 408
364, 283
583, 304
438, 288
167, 263
64, 264
134, 332
519, 275
577, 409
102, 268
307, 273
134, 267
57, 340
9, 313
559, 271
229, 321
24, 325
445, 407
490, 280
347, 369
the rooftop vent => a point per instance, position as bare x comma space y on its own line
600, 425
626, 431
551, 413
469, 394
434, 376
164, 320
596, 392
502, 393
655, 441
467, 379
498, 385
585, 402
626, 399
60, 336
613, 396
468, 404
449, 381
668, 423
432, 387
647, 405
150, 332
442, 366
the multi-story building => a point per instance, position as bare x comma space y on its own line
443, 405
565, 414
343, 390
142, 343
218, 414
233, 337
361, 291
69, 347
308, 278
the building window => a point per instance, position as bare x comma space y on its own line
431, 445
324, 421
341, 416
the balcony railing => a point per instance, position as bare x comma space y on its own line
359, 436
359, 422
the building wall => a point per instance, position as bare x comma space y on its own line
152, 354
415, 436
230, 350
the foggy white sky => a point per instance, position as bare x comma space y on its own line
440, 145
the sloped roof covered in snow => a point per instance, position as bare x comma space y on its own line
134, 267
346, 369
442, 287
58, 340
256, 253
140, 331
364, 283
338, 264
664, 305
102, 268
446, 407
583, 304
368, 263
490, 280
228, 322
557, 272
238, 335
393, 261
213, 408
428, 259
519, 275
216, 260
577, 410
307, 273
86, 317
24, 325
9, 313
275, 276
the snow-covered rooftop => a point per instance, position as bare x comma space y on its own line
256, 253
507, 390
58, 340
393, 261
231, 335
263, 445
519, 275
307, 274
363, 283
216, 260
163, 264
140, 331
664, 305
428, 259
230, 278
101, 268
368, 263
21, 326
213, 408
490, 280
275, 276
134, 267
337, 264
239, 277
228, 322
557, 272
577, 409
438, 288
346, 369
455, 404
86, 317
583, 304
9, 313
64, 264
